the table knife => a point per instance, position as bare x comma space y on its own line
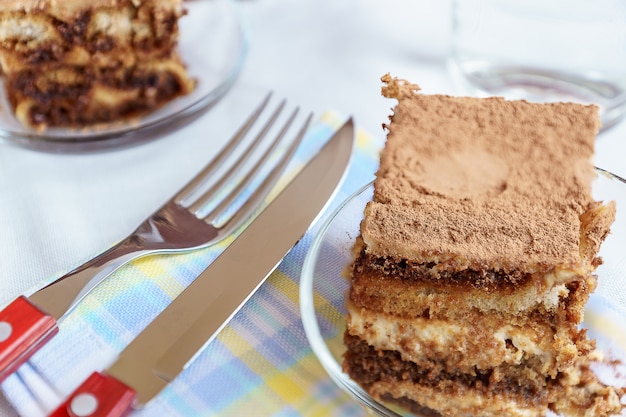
168, 344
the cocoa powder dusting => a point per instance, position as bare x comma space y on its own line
483, 183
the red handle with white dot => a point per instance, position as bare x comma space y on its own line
23, 330
101, 395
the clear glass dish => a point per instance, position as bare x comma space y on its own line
324, 285
212, 45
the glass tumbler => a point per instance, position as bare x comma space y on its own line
542, 50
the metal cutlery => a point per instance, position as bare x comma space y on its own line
27, 323
165, 347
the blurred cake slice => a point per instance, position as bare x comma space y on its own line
476, 258
75, 63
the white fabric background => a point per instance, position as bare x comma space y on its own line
56, 210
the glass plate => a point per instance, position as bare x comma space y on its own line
212, 45
323, 287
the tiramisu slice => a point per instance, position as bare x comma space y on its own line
476, 258
75, 63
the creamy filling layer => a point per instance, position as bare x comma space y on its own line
461, 345
66, 9
65, 98
464, 403
516, 389
395, 287
101, 30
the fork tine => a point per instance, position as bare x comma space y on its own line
223, 155
269, 181
247, 178
254, 200
238, 164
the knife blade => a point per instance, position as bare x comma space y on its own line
167, 345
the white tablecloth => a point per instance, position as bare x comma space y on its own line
57, 209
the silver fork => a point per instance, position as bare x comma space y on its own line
180, 225
27, 323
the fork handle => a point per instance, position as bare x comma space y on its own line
59, 297
24, 329
27, 324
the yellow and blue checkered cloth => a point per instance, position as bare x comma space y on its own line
259, 365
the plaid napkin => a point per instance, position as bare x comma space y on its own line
259, 365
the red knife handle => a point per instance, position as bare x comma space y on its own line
100, 395
23, 330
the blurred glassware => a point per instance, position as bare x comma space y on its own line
542, 50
